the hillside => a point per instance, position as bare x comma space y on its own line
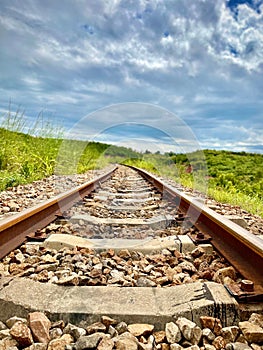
235, 178
229, 177
233, 171
24, 158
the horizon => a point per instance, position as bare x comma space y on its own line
141, 152
199, 64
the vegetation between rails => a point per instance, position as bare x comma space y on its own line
235, 178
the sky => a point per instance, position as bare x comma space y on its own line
149, 74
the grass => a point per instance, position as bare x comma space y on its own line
31, 153
24, 158
253, 205
232, 178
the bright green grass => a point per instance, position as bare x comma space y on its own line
24, 158
253, 205
228, 177
32, 152
233, 178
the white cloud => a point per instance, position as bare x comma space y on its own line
241, 38
199, 60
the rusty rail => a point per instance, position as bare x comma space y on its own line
15, 229
242, 249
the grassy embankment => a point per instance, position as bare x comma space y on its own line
25, 158
230, 177
235, 178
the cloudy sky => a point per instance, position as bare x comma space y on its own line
199, 62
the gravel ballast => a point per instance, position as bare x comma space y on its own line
38, 332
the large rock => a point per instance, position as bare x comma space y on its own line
108, 321
106, 344
112, 332
72, 280
190, 330
68, 339
126, 341
121, 327
212, 323
75, 331
230, 333
219, 343
96, 327
40, 326
124, 254
12, 320
22, 334
89, 341
60, 343
208, 334
145, 282
138, 329
256, 319
197, 252
252, 332
159, 337
221, 274
187, 266
55, 333
173, 333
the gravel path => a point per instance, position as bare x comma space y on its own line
86, 267
253, 223
125, 268
21, 197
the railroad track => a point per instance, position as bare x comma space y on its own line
127, 210
242, 249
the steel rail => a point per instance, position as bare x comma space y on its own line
15, 229
241, 248
238, 246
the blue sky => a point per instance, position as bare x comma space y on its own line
201, 61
